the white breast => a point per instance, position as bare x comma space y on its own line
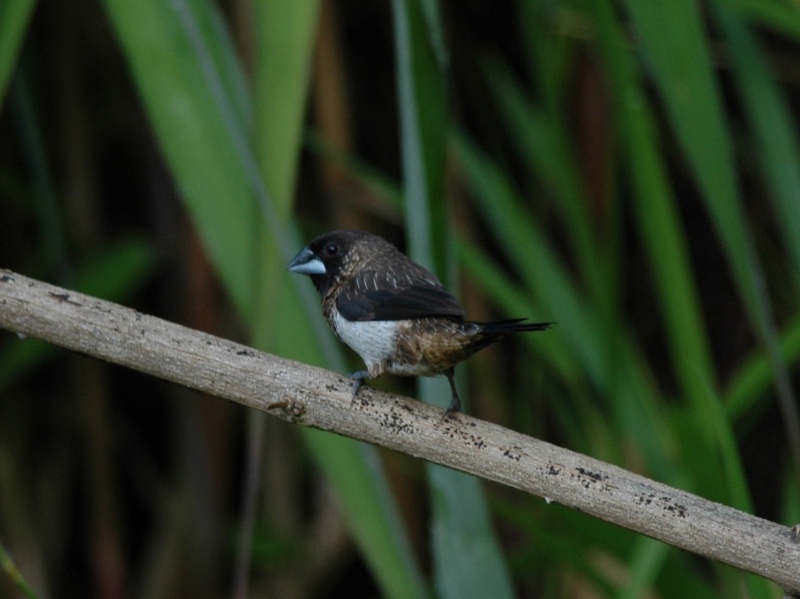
373, 340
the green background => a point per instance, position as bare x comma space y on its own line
629, 170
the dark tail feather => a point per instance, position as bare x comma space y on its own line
515, 325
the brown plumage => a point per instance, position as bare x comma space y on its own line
393, 312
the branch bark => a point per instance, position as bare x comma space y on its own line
318, 398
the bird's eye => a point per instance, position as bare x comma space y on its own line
331, 249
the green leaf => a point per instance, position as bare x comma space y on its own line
10, 569
753, 378
672, 37
191, 84
285, 35
423, 123
541, 136
775, 143
187, 104
776, 15
547, 283
14, 18
466, 555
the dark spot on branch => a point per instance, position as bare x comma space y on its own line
675, 508
291, 408
396, 423
588, 479
665, 502
794, 531
593, 475
407, 408
361, 399
63, 298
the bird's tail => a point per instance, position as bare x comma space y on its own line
515, 325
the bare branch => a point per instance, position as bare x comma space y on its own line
317, 398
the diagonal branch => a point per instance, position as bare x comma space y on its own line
317, 398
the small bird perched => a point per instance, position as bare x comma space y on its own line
393, 312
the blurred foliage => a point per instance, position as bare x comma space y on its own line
630, 170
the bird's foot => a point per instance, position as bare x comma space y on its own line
455, 406
358, 382
455, 403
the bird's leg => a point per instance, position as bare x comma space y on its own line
455, 403
358, 381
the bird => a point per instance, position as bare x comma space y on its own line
394, 313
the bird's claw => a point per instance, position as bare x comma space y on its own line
455, 402
358, 382
455, 406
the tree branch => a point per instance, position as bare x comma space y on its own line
317, 398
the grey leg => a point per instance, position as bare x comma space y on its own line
455, 403
358, 382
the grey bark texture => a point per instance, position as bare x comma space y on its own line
310, 396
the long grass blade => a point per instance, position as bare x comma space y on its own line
754, 377
467, 558
779, 158
9, 568
662, 236
776, 145
182, 61
548, 284
14, 18
542, 139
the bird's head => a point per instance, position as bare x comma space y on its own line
334, 256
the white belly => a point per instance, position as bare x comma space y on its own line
373, 340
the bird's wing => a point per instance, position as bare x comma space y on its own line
372, 295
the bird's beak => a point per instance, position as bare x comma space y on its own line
306, 263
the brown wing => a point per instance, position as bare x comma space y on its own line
372, 295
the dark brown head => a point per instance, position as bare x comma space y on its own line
367, 278
338, 255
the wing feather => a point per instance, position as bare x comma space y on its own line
373, 295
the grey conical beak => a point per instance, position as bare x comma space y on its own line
306, 263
